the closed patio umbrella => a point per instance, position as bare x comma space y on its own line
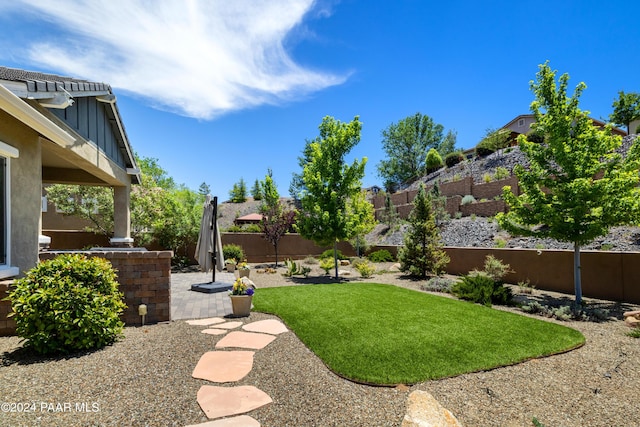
209, 246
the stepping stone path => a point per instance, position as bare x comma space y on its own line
225, 366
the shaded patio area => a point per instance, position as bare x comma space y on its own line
188, 304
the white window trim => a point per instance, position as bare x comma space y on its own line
8, 152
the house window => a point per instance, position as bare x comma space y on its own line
44, 204
6, 153
520, 123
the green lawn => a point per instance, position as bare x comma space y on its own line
385, 334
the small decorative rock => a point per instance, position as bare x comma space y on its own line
425, 411
632, 318
345, 262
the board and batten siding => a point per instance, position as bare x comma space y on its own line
95, 122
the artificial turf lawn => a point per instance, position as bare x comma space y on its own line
383, 334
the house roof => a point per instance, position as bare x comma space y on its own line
56, 93
250, 217
597, 122
39, 85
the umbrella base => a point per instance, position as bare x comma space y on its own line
212, 287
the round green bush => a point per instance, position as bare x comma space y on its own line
67, 304
233, 251
433, 160
453, 159
381, 255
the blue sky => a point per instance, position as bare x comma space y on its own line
220, 90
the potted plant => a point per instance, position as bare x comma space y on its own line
241, 295
243, 269
230, 264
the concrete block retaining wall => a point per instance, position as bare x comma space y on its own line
144, 278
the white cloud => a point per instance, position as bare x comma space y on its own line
198, 58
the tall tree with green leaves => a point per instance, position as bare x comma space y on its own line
422, 253
326, 214
406, 144
577, 185
625, 109
269, 191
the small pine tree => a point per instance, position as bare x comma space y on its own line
422, 252
238, 193
256, 190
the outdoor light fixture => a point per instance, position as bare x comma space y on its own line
142, 311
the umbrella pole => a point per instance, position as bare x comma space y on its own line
214, 227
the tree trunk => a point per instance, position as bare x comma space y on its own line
577, 281
335, 257
276, 248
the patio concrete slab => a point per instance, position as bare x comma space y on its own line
218, 402
214, 331
229, 325
245, 340
224, 366
269, 326
239, 421
206, 322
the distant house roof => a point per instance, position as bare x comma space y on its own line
248, 219
530, 118
56, 94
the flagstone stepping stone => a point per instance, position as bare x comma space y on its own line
224, 366
239, 421
245, 340
229, 325
218, 402
214, 331
205, 322
269, 326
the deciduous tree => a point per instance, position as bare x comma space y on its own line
326, 215
625, 109
406, 144
577, 185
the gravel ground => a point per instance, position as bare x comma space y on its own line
145, 380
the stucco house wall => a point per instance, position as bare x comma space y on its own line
25, 174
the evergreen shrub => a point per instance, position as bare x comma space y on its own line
68, 304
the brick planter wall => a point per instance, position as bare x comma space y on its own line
144, 278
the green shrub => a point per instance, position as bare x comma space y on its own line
467, 200
484, 148
495, 268
487, 177
365, 268
502, 173
234, 252
67, 304
252, 228
381, 255
482, 289
327, 264
433, 160
453, 159
329, 254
